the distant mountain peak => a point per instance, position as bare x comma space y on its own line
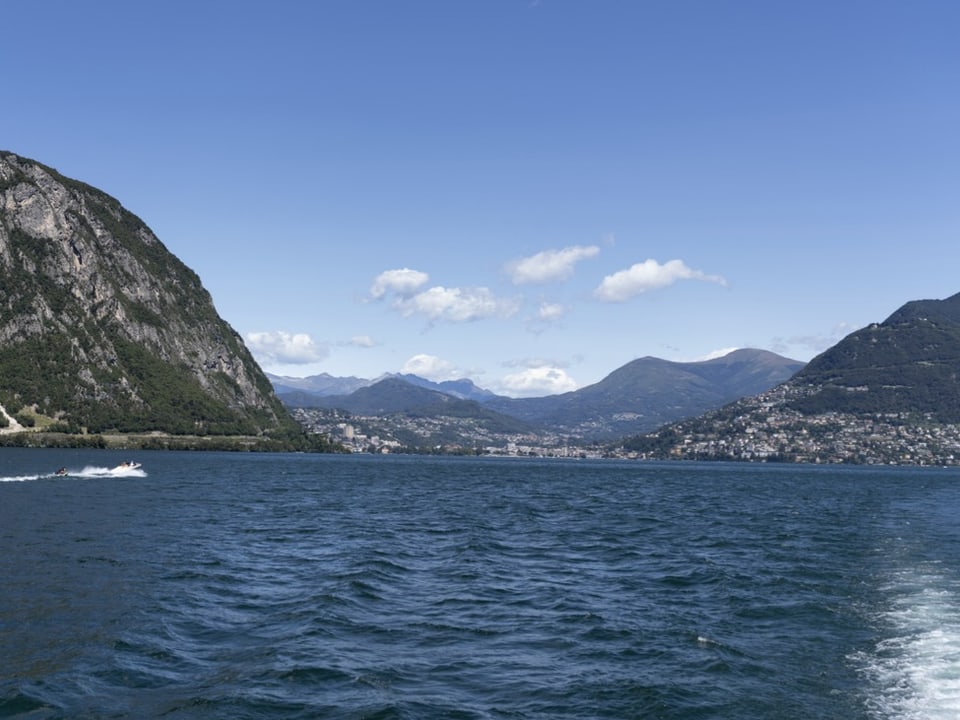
640, 395
464, 388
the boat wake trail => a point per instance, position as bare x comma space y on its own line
915, 670
93, 471
89, 471
24, 478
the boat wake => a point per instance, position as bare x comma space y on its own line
917, 667
88, 471
25, 478
119, 471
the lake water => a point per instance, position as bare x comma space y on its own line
237, 586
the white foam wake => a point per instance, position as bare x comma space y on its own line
93, 471
23, 478
89, 471
915, 671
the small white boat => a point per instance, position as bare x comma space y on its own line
124, 466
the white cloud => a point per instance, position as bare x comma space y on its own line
549, 312
431, 368
648, 275
538, 381
549, 265
403, 282
457, 304
285, 348
439, 303
364, 341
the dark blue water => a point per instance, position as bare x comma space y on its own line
302, 586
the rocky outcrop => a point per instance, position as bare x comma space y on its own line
102, 327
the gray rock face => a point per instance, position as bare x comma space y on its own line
79, 271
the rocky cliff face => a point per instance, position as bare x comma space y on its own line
102, 327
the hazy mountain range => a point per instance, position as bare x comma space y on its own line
637, 397
887, 393
323, 385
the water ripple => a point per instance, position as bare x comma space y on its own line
263, 587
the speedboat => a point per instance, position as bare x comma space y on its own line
126, 466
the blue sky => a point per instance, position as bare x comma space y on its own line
529, 193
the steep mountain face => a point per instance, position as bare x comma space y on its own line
101, 327
908, 363
649, 392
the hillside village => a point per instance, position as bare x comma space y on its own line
758, 429
762, 429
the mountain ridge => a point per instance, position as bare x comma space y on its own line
642, 394
654, 391
886, 393
907, 363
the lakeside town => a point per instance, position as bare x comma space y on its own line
764, 433
887, 439
436, 434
